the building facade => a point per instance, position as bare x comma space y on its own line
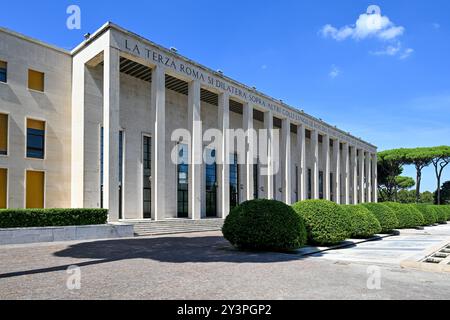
93, 128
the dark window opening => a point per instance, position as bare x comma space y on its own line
309, 184
234, 182
147, 185
35, 139
297, 198
320, 184
3, 71
331, 187
183, 182
211, 185
255, 181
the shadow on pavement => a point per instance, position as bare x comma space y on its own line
171, 249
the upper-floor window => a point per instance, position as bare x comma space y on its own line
35, 139
3, 71
36, 80
3, 134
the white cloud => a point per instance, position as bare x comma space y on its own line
407, 53
335, 72
368, 25
394, 50
390, 50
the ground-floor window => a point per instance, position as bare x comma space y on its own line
121, 167
147, 173
320, 184
255, 181
3, 188
331, 186
309, 184
234, 182
183, 182
211, 184
35, 181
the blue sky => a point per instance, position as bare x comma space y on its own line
390, 86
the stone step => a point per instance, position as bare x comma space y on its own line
146, 228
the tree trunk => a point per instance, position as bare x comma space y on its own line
439, 190
418, 181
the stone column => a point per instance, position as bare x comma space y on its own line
326, 178
196, 152
337, 171
286, 169
301, 146
355, 174
346, 150
315, 171
375, 178
362, 174
111, 127
158, 107
268, 125
249, 157
369, 177
223, 156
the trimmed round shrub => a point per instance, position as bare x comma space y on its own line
265, 225
416, 215
363, 223
326, 222
407, 218
441, 214
385, 216
429, 214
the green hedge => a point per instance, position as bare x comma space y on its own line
363, 223
406, 215
265, 225
27, 218
429, 214
447, 209
385, 215
416, 215
441, 212
326, 222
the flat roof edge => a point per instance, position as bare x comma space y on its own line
33, 40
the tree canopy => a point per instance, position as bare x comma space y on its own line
391, 164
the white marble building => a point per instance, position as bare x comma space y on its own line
92, 128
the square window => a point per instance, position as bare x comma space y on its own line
35, 80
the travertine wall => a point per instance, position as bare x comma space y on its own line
52, 106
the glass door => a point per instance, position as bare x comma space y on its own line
211, 184
234, 182
147, 186
183, 182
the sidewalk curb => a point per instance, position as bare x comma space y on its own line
417, 262
309, 251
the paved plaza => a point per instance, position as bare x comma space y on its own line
204, 266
